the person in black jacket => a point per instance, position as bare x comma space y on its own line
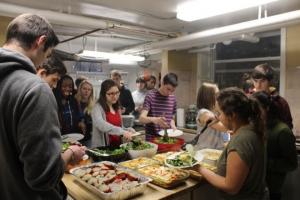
262, 76
126, 99
70, 117
281, 149
30, 142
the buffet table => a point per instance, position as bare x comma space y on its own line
191, 189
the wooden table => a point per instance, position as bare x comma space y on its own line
184, 191
190, 190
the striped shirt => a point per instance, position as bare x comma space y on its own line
158, 105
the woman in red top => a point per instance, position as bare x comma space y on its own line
109, 101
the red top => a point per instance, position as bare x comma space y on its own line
114, 119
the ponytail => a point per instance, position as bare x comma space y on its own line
256, 118
235, 101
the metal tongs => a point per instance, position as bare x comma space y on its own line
96, 153
196, 138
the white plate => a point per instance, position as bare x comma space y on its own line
72, 137
199, 157
171, 133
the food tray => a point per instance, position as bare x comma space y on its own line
117, 195
195, 175
159, 175
211, 156
161, 157
138, 163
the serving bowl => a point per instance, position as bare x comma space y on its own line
136, 153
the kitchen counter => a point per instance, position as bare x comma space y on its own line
184, 191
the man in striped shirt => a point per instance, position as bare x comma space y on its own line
160, 107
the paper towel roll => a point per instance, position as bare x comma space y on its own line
180, 121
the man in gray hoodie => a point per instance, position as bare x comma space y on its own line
30, 143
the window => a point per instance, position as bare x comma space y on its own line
232, 61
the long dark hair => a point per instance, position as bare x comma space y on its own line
235, 101
267, 103
105, 86
57, 91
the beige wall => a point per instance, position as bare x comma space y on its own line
184, 64
293, 73
3, 24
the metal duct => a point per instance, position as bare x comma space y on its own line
58, 18
220, 34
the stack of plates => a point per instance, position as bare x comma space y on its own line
72, 137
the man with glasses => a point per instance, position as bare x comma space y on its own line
262, 76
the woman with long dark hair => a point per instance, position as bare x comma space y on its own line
241, 167
69, 115
106, 116
281, 149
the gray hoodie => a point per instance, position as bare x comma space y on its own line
30, 159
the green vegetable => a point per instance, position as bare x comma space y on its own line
162, 140
109, 152
182, 160
65, 146
138, 145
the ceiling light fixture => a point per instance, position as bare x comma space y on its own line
114, 58
201, 9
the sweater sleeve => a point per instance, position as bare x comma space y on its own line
287, 160
39, 138
99, 121
130, 103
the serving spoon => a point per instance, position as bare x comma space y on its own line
196, 138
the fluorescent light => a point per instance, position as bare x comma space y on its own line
200, 9
114, 58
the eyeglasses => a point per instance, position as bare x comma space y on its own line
113, 93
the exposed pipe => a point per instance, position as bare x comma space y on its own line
58, 18
222, 33
81, 35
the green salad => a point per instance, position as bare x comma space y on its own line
182, 160
138, 145
163, 140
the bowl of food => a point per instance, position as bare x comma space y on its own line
108, 154
182, 159
138, 148
167, 144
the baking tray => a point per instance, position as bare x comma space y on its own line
195, 175
160, 182
162, 156
123, 194
144, 161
